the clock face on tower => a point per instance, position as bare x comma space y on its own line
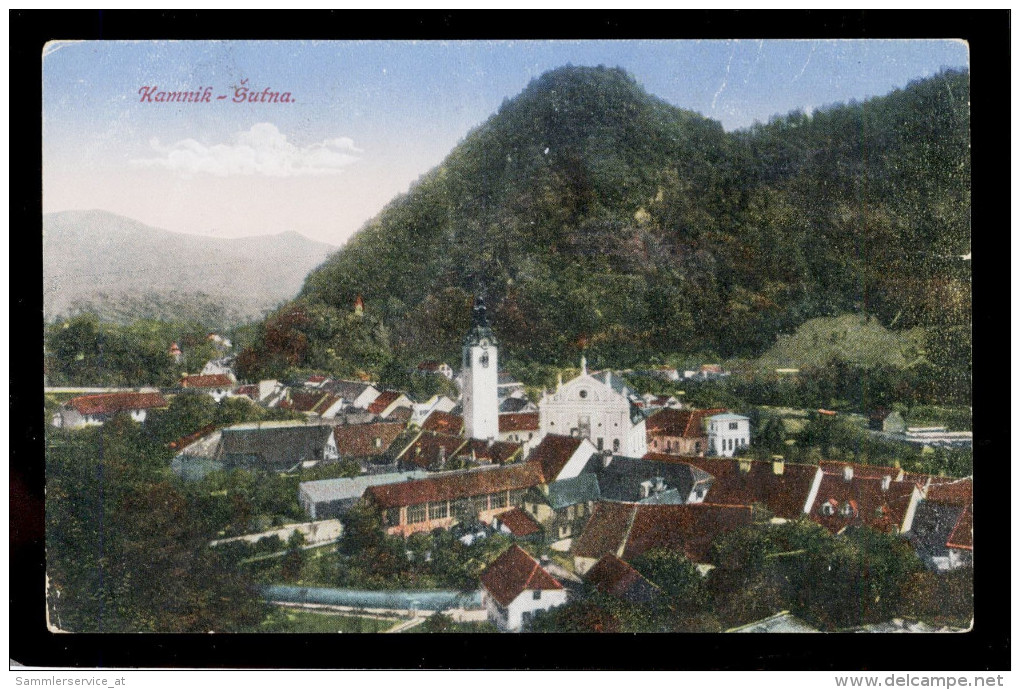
484, 343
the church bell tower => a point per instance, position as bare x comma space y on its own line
480, 365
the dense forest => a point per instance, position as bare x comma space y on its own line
599, 218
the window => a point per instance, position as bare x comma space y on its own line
583, 394
616, 445
416, 513
599, 443
438, 509
378, 442
484, 359
536, 595
827, 509
570, 512
391, 517
517, 497
734, 425
499, 500
481, 503
462, 508
564, 531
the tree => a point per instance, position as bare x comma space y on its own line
676, 576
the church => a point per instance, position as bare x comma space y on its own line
480, 377
598, 407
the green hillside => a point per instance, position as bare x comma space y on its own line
601, 219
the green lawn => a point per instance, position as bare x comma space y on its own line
288, 620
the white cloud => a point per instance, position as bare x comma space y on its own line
262, 150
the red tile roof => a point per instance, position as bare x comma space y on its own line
306, 401
498, 452
444, 423
429, 449
783, 494
864, 471
513, 573
401, 414
109, 403
679, 423
635, 529
519, 522
327, 402
385, 399
359, 440
316, 379
880, 509
207, 381
553, 454
452, 486
250, 390
518, 421
959, 492
615, 577
962, 536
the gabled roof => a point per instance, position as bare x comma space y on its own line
497, 452
273, 446
728, 417
959, 492
622, 480
785, 495
385, 399
444, 423
519, 523
679, 423
207, 381
629, 530
553, 454
962, 536
513, 573
455, 485
348, 390
359, 440
518, 421
308, 401
186, 441
431, 450
511, 405
617, 578
110, 403
251, 390
865, 471
568, 492
881, 509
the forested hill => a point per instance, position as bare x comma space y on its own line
599, 217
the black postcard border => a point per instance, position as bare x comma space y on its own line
984, 647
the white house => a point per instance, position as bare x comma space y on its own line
356, 394
515, 587
728, 432
421, 411
597, 407
94, 410
218, 386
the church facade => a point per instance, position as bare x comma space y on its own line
597, 407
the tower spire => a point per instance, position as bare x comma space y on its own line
584, 365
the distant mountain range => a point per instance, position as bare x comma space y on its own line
124, 270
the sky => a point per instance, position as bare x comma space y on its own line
366, 119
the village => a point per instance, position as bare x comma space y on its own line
575, 485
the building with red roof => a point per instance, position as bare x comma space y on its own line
387, 402
439, 502
515, 587
218, 386
517, 523
629, 530
562, 457
94, 410
786, 489
444, 423
881, 503
679, 432
618, 579
942, 532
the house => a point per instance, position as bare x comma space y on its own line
637, 480
516, 404
477, 451
651, 401
727, 433
367, 444
562, 457
443, 500
518, 524
356, 394
197, 455
520, 427
221, 365
782, 622
429, 451
275, 447
629, 530
942, 533
268, 393
175, 353
218, 386
313, 402
332, 498
515, 587
444, 423
437, 368
94, 410
387, 402
788, 490
437, 403
889, 422
618, 579
882, 503
598, 407
679, 432
219, 342
563, 507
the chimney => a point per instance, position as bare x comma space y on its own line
607, 457
778, 465
559, 381
886, 482
848, 473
